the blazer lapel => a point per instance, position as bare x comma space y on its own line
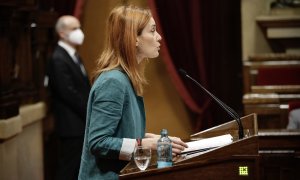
69, 60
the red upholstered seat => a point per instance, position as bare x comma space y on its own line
278, 76
294, 105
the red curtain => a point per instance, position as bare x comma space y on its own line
79, 8
203, 38
182, 48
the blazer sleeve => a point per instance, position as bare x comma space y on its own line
106, 112
62, 83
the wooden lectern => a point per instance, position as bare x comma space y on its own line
240, 159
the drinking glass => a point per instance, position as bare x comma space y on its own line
142, 156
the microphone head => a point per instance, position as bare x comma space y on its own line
182, 72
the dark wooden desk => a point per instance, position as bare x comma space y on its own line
279, 151
263, 154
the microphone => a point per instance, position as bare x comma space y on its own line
228, 109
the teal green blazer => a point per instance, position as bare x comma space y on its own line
114, 112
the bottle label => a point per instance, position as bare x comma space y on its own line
162, 164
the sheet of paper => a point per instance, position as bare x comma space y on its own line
208, 143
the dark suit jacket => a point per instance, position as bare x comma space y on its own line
69, 91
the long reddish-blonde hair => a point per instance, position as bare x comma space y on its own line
124, 25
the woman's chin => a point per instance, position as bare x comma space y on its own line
155, 55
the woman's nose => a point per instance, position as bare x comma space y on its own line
158, 37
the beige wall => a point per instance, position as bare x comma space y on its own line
164, 108
21, 144
253, 40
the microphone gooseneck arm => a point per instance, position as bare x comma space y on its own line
228, 109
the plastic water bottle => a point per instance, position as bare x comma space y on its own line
164, 150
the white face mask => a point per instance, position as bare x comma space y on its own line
76, 37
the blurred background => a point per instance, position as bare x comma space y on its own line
226, 45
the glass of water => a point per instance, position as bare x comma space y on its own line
142, 156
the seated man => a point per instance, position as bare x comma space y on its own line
294, 119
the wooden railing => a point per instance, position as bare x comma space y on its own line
271, 81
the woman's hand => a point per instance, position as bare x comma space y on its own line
151, 135
177, 145
150, 140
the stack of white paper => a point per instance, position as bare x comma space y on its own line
208, 143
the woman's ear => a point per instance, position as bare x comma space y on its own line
62, 35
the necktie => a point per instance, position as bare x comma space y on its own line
78, 62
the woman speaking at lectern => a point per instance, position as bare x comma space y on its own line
115, 113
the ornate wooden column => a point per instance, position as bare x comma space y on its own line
26, 41
9, 102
